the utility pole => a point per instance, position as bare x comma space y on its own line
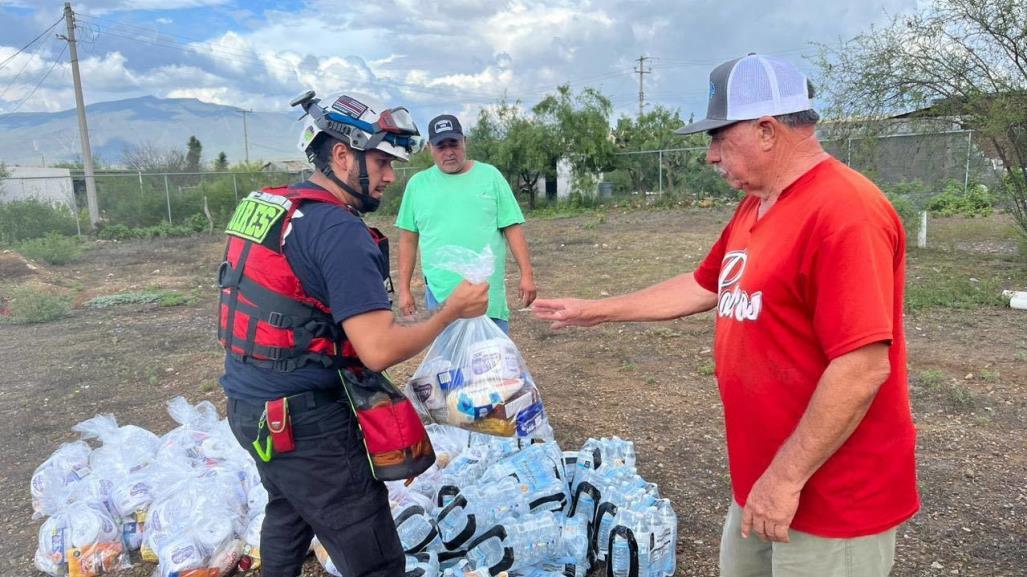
83, 130
641, 70
245, 133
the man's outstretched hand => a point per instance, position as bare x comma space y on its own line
564, 312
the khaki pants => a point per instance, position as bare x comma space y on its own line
805, 556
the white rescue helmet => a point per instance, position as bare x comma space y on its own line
360, 122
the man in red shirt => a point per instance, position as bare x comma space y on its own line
807, 284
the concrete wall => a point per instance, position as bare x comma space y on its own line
52, 185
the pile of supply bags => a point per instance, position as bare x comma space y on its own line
191, 502
184, 500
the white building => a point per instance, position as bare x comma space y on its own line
51, 185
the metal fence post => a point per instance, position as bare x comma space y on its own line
966, 173
74, 208
660, 161
167, 195
235, 185
140, 173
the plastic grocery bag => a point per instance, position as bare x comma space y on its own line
67, 465
473, 376
124, 449
81, 540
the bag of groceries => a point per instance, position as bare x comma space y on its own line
473, 376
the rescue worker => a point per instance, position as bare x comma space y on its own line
304, 305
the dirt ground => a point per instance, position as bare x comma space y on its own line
651, 384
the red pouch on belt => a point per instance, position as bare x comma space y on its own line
280, 425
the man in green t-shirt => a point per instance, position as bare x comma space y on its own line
465, 203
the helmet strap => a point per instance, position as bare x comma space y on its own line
367, 202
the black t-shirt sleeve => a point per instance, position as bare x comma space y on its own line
343, 265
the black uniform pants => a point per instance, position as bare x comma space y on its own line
323, 487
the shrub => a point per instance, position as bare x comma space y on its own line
27, 219
908, 212
166, 230
197, 223
976, 201
116, 232
104, 301
162, 230
30, 305
163, 298
53, 248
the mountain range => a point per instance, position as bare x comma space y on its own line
43, 138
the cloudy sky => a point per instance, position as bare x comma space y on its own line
433, 56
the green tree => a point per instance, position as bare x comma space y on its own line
520, 146
965, 59
192, 157
580, 128
221, 164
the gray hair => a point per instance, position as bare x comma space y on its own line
803, 117
797, 119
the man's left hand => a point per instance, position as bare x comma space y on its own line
770, 508
527, 290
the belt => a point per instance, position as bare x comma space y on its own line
298, 403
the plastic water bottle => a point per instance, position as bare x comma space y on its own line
534, 538
668, 536
618, 452
546, 571
589, 459
564, 567
516, 543
490, 551
620, 551
609, 516
478, 507
417, 530
575, 540
422, 565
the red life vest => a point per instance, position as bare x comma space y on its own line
265, 317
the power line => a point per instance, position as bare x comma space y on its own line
23, 48
52, 66
16, 77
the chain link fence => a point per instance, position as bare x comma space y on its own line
916, 168
921, 166
142, 199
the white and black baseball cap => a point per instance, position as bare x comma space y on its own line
442, 127
750, 87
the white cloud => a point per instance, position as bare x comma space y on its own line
100, 7
230, 51
445, 54
219, 95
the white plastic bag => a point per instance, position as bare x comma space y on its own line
67, 465
191, 440
125, 449
473, 376
80, 540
